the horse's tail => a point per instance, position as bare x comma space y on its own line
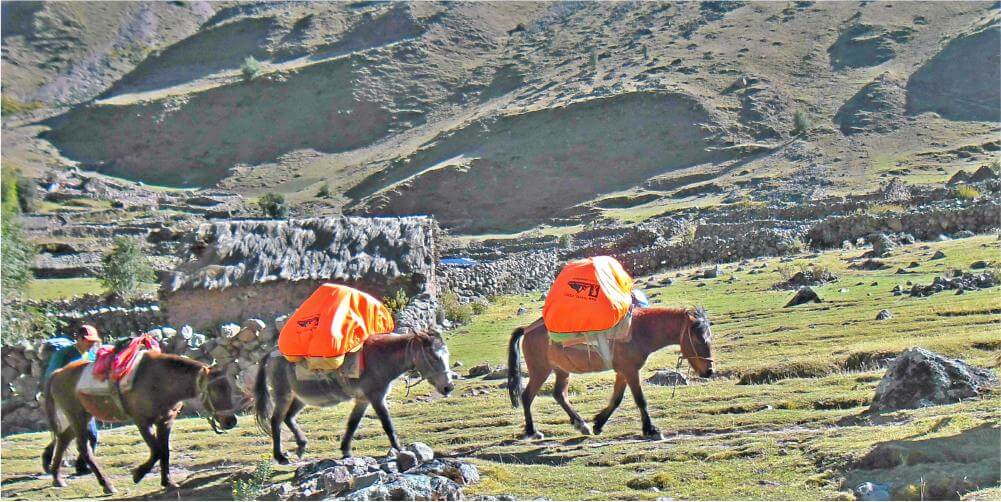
514, 367
262, 399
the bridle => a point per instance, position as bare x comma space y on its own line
691, 343
424, 358
205, 395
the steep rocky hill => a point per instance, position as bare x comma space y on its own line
500, 117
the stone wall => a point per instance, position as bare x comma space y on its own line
513, 274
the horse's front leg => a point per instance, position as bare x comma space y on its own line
353, 420
83, 446
293, 425
649, 430
62, 441
163, 438
560, 394
617, 392
387, 423
146, 431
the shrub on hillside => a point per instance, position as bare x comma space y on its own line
967, 192
17, 253
480, 307
125, 268
324, 191
454, 310
273, 205
801, 123
396, 302
251, 68
566, 240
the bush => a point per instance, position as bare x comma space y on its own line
453, 310
253, 488
480, 307
566, 240
688, 230
273, 205
125, 268
17, 253
397, 302
251, 68
967, 192
801, 123
324, 191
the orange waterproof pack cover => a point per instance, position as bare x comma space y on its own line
333, 321
592, 294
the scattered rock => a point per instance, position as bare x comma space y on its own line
873, 491
667, 378
960, 281
918, 378
422, 451
406, 460
884, 315
938, 255
479, 370
881, 244
979, 264
804, 295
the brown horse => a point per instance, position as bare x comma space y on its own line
386, 358
652, 329
160, 385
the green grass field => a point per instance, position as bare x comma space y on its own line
803, 435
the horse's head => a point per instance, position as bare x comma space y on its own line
430, 357
216, 394
696, 343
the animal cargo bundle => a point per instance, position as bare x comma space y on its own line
589, 304
333, 322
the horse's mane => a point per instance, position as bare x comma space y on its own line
179, 362
700, 318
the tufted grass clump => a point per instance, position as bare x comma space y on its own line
251, 69
967, 192
254, 487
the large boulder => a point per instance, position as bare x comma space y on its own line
919, 378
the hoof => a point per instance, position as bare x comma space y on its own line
282, 459
300, 450
59, 483
110, 490
653, 435
584, 428
138, 474
170, 486
535, 436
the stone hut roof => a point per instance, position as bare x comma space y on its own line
346, 249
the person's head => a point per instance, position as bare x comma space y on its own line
87, 337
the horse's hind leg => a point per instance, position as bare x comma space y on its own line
282, 404
379, 405
146, 431
535, 381
47, 456
83, 446
560, 394
293, 425
163, 438
353, 420
62, 441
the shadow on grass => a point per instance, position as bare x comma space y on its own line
941, 468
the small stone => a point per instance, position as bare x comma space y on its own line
668, 377
406, 460
335, 480
938, 255
423, 451
479, 370
979, 264
883, 315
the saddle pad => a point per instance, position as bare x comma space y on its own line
89, 385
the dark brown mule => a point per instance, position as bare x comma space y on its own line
652, 329
160, 385
386, 358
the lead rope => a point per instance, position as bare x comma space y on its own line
202, 384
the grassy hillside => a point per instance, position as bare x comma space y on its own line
519, 112
796, 437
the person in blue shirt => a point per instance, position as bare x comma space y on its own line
85, 347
